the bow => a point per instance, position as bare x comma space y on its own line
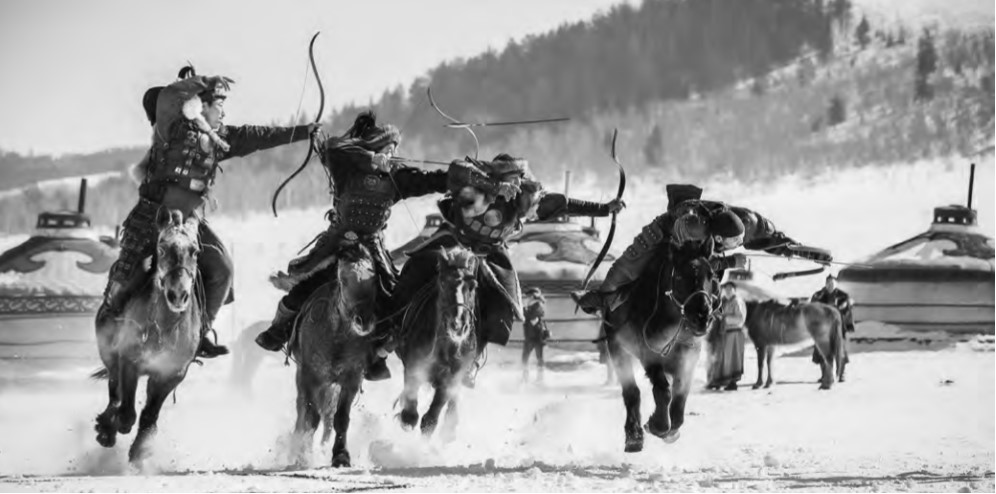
454, 123
318, 118
612, 229
468, 126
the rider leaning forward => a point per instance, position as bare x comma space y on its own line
486, 204
712, 226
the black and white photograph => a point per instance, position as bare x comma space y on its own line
497, 246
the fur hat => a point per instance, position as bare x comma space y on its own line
504, 164
678, 193
149, 103
726, 224
371, 136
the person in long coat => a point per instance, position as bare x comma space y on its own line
728, 350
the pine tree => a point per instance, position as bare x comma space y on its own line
653, 149
926, 64
837, 112
861, 33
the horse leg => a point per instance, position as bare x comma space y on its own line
680, 387
769, 353
409, 399
452, 418
431, 417
129, 386
106, 423
308, 416
623, 364
347, 392
659, 423
760, 365
157, 389
826, 352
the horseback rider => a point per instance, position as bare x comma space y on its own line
369, 183
486, 204
712, 226
189, 141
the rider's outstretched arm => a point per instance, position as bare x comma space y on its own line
415, 182
247, 139
761, 234
553, 204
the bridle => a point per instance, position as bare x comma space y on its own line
683, 323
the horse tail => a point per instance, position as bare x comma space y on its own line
101, 373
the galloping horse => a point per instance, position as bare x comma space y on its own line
661, 323
771, 323
331, 345
438, 340
158, 337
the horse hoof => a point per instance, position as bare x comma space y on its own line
106, 439
824, 386
671, 436
659, 432
767, 385
408, 419
341, 460
125, 425
428, 428
634, 442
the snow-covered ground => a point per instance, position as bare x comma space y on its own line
914, 420
920, 421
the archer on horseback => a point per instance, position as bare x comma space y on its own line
486, 204
712, 226
368, 183
189, 141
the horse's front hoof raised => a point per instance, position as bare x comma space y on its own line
106, 439
408, 419
657, 430
671, 436
341, 459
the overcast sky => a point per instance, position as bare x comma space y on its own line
72, 73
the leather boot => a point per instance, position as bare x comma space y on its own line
590, 301
112, 306
208, 348
279, 332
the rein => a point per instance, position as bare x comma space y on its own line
683, 322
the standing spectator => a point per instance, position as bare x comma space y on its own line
835, 297
534, 331
729, 348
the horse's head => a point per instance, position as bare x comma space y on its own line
357, 282
457, 285
176, 259
693, 290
